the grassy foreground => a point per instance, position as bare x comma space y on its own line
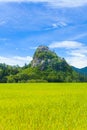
43, 106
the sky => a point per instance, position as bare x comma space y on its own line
59, 24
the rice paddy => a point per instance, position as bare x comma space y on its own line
43, 106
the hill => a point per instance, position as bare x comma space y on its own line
46, 66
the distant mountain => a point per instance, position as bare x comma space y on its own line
46, 66
82, 70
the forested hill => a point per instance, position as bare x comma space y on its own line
46, 66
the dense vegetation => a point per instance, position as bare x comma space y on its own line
46, 66
43, 106
6, 71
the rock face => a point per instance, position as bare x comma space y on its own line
43, 57
38, 58
42, 48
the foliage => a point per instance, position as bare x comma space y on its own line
7, 70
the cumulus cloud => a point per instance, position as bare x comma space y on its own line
60, 3
77, 57
76, 52
77, 61
16, 60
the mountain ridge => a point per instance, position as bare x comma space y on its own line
81, 70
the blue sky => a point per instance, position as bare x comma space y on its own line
59, 24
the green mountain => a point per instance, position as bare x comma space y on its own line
46, 66
81, 71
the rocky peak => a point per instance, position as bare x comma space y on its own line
39, 56
42, 48
39, 50
43, 57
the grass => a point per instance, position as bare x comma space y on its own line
43, 106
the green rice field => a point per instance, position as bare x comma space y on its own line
43, 106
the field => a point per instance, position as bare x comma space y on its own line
43, 106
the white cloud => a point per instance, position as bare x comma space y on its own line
60, 24
76, 52
66, 45
60, 3
16, 60
77, 57
56, 25
69, 3
80, 51
77, 61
